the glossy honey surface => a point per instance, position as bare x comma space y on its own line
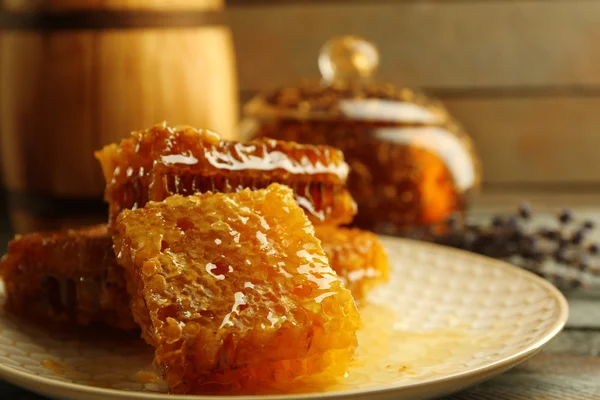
156, 163
235, 292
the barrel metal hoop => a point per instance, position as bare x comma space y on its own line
107, 19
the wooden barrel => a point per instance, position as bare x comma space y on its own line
76, 75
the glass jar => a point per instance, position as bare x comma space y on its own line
412, 165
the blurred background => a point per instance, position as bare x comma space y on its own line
522, 77
518, 80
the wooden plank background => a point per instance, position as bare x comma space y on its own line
523, 76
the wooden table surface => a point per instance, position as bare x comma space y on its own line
568, 368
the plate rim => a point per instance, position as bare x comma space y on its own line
18, 377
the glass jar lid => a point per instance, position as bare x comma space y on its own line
348, 90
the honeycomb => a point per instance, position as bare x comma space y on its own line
66, 276
358, 257
153, 164
234, 291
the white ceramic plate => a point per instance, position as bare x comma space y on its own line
448, 319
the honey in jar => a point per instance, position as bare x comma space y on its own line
412, 165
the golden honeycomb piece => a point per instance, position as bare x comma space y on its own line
156, 163
68, 276
234, 291
357, 256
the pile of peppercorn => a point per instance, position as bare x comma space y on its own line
560, 253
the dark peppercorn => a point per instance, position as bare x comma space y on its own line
525, 211
513, 222
548, 234
540, 250
497, 221
589, 224
574, 283
584, 262
577, 237
565, 216
563, 242
560, 255
538, 256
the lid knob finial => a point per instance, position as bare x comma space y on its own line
348, 58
